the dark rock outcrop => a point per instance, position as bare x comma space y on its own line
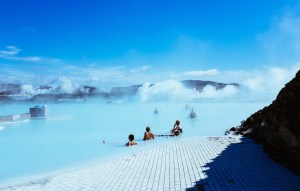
277, 126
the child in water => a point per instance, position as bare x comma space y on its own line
131, 140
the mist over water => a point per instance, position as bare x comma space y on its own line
90, 84
38, 147
253, 85
43, 147
172, 90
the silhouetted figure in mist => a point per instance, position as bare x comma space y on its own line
156, 111
192, 114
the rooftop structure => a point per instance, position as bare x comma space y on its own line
39, 111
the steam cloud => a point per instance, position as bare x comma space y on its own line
66, 85
27, 89
255, 85
61, 85
269, 83
172, 90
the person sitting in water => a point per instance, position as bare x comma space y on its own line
148, 134
187, 106
156, 111
176, 133
131, 140
192, 114
176, 128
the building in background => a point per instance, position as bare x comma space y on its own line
39, 111
34, 113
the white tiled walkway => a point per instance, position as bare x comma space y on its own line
202, 163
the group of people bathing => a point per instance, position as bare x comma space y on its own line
148, 135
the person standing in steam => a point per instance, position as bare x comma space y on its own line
187, 106
156, 111
192, 114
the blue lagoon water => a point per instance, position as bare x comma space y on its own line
41, 147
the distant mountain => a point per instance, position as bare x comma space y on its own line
199, 84
124, 91
64, 89
9, 89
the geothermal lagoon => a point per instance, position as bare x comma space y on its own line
96, 131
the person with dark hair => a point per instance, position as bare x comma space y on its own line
148, 134
131, 140
176, 128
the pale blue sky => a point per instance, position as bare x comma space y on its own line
134, 41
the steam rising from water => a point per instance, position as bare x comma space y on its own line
66, 85
172, 90
27, 89
268, 83
255, 85
61, 85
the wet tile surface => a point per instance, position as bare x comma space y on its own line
201, 163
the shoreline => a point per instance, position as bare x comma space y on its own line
198, 162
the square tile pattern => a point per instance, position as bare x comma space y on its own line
201, 163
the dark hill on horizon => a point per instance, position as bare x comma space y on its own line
199, 84
48, 93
